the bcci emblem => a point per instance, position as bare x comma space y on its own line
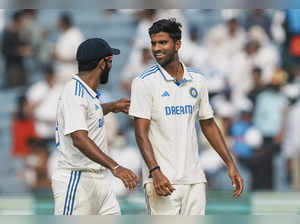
193, 92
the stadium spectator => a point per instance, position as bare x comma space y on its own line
35, 172
37, 35
22, 129
226, 39
258, 85
142, 60
291, 141
42, 97
269, 118
259, 17
15, 49
65, 49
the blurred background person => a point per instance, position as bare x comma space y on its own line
269, 118
15, 48
64, 54
22, 129
135, 67
291, 140
37, 35
35, 173
42, 98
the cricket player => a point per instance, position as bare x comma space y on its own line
80, 184
166, 100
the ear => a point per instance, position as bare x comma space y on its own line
101, 64
177, 44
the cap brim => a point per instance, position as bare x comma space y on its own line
115, 51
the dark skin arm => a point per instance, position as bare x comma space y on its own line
161, 183
91, 150
216, 140
121, 105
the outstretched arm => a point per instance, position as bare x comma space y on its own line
161, 183
215, 138
121, 105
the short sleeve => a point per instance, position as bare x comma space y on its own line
205, 109
140, 100
75, 114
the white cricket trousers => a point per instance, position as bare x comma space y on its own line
189, 199
83, 193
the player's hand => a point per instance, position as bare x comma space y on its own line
237, 181
129, 179
122, 105
161, 184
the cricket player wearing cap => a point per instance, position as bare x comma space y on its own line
79, 183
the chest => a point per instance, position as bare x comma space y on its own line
176, 100
95, 113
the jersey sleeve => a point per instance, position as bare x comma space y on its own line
75, 113
205, 109
140, 100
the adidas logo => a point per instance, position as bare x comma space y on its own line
97, 107
165, 94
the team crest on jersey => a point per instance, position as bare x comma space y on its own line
193, 92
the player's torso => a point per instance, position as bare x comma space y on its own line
70, 155
172, 127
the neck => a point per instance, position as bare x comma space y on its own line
175, 69
90, 79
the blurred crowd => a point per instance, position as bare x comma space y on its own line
250, 59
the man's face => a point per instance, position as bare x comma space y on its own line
164, 48
105, 72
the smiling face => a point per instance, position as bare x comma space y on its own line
164, 48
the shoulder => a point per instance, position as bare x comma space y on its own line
74, 88
196, 74
149, 72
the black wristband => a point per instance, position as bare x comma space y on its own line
150, 171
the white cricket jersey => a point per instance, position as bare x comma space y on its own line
172, 109
78, 109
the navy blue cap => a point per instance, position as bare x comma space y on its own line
94, 49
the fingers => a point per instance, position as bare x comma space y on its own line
164, 189
238, 185
130, 180
123, 105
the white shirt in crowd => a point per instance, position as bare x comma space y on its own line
65, 48
172, 109
79, 109
291, 140
219, 41
46, 98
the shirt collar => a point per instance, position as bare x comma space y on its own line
91, 92
168, 77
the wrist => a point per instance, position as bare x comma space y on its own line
114, 168
231, 166
115, 107
153, 170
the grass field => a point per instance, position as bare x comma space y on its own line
218, 203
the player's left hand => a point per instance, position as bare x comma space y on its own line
122, 105
237, 181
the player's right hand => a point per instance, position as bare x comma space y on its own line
129, 179
161, 184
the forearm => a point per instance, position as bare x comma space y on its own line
214, 136
90, 149
146, 150
108, 107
